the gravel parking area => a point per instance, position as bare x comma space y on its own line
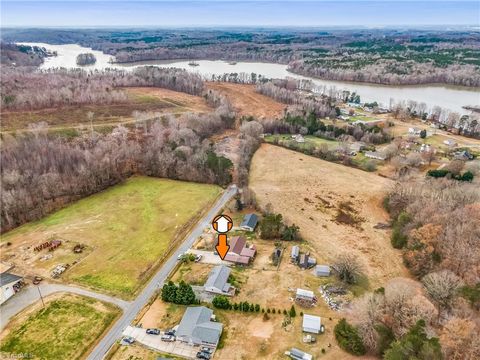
208, 257
153, 341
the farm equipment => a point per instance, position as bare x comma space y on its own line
50, 245
78, 249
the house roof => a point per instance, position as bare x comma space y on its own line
303, 259
7, 278
305, 293
250, 220
237, 244
196, 324
237, 259
299, 354
311, 322
295, 250
248, 252
218, 278
322, 270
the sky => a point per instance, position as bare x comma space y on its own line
270, 13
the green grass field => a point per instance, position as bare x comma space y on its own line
65, 329
126, 229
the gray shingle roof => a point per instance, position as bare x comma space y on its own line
197, 326
250, 220
218, 278
7, 278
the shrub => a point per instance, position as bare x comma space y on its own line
268, 310
221, 302
266, 317
284, 312
252, 308
385, 338
263, 310
182, 294
257, 307
348, 338
273, 311
292, 311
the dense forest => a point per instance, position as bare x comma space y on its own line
384, 56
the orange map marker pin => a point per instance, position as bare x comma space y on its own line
222, 224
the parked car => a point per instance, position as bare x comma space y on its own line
198, 257
203, 355
37, 280
180, 256
127, 340
168, 338
170, 332
206, 350
153, 331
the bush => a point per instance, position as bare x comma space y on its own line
472, 294
252, 308
385, 338
221, 302
268, 310
292, 311
182, 294
257, 307
284, 312
348, 338
273, 311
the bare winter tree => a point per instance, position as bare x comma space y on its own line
442, 287
348, 268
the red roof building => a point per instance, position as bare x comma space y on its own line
239, 253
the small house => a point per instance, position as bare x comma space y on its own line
358, 146
197, 327
450, 142
298, 138
305, 295
463, 155
303, 261
9, 285
375, 155
321, 271
249, 222
239, 253
311, 324
217, 282
295, 253
297, 354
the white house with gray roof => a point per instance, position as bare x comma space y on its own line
197, 328
217, 281
9, 285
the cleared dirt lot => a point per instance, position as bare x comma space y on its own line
248, 102
309, 192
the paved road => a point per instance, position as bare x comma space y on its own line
30, 295
157, 280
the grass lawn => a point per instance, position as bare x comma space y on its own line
126, 230
65, 329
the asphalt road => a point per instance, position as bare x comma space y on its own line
157, 280
31, 295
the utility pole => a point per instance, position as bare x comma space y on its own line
41, 297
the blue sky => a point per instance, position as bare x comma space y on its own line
183, 13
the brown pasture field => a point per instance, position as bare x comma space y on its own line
311, 192
139, 99
248, 102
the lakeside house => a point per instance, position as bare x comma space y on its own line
217, 282
311, 324
249, 222
239, 253
197, 327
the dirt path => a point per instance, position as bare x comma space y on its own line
309, 192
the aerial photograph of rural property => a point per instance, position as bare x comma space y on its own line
240, 180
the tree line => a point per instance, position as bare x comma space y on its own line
25, 89
42, 172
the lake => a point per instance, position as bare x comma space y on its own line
448, 97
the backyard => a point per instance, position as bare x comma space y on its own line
66, 328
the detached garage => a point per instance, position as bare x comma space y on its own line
9, 285
311, 324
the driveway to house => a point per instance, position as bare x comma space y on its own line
30, 294
158, 279
154, 342
208, 257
